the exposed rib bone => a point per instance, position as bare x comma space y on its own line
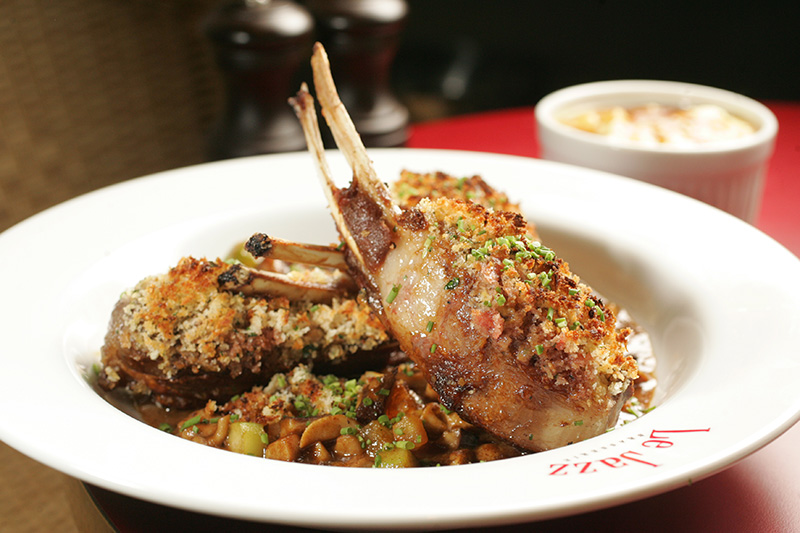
303, 105
261, 245
346, 136
252, 282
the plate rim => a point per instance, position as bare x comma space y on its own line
630, 492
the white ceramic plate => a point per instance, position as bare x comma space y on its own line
720, 299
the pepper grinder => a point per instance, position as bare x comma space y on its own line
259, 47
361, 38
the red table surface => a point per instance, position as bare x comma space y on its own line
758, 494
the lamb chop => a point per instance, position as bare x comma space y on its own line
210, 329
502, 330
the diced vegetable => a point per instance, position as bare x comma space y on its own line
396, 458
247, 438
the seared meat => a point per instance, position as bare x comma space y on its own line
505, 334
184, 339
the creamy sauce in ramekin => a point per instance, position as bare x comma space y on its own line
656, 124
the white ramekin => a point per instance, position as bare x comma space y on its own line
728, 174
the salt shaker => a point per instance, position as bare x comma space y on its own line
259, 46
361, 38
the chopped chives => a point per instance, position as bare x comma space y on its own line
191, 422
539, 349
561, 322
452, 284
433, 348
393, 293
427, 245
429, 327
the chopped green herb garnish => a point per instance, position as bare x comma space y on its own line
433, 348
393, 293
429, 327
191, 422
452, 284
427, 245
561, 322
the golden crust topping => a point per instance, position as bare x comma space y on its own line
182, 320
